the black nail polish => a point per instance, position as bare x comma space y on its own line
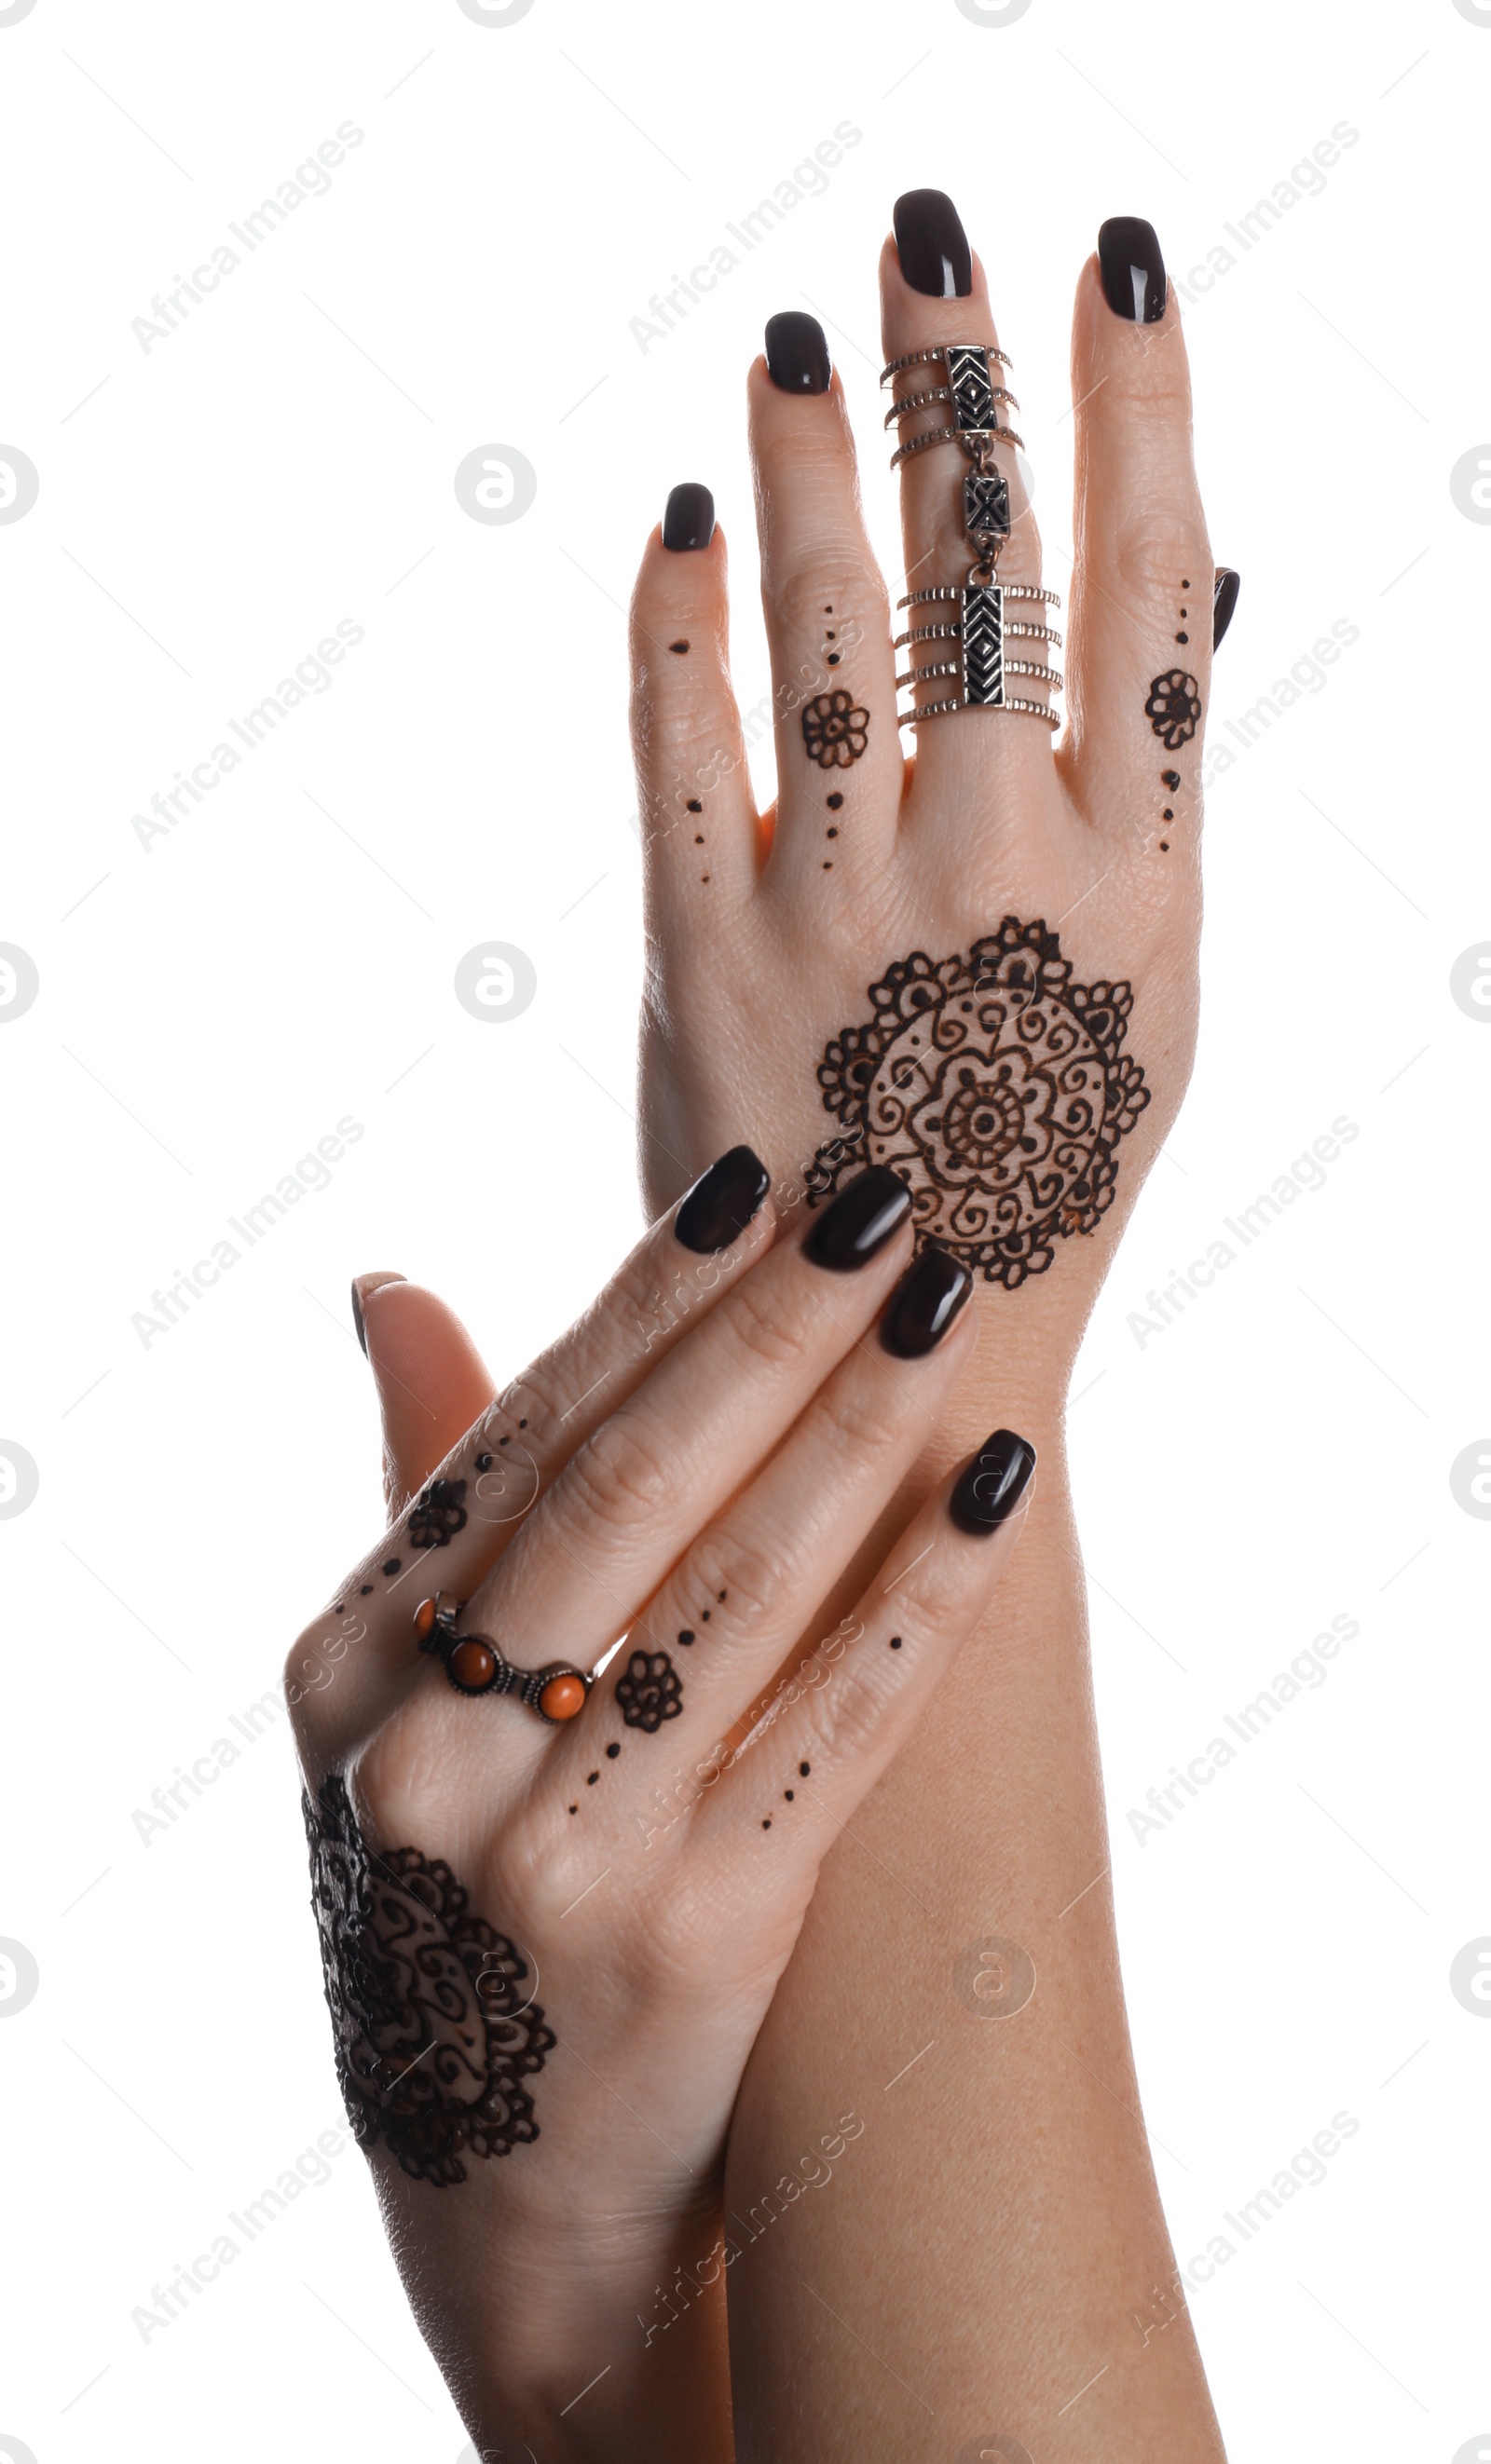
797, 353
933, 244
689, 520
992, 1484
723, 1201
1132, 269
1224, 601
859, 1222
923, 1303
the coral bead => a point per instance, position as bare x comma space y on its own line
424, 1618
562, 1698
473, 1663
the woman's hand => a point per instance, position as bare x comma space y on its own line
930, 964
549, 1946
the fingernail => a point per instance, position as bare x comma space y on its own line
1132, 269
992, 1484
933, 244
923, 1303
1224, 601
362, 1285
689, 519
861, 1219
723, 1201
797, 353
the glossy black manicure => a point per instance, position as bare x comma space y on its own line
1224, 601
933, 244
992, 1484
861, 1219
923, 1303
797, 353
1132, 270
723, 1201
689, 520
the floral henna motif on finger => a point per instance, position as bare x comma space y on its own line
650, 1691
1173, 708
432, 2027
997, 1087
438, 1514
835, 730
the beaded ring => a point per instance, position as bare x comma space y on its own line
474, 1665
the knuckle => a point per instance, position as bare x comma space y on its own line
865, 1420
769, 1322
616, 1479
742, 1579
1154, 548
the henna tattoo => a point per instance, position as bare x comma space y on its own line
1173, 708
803, 1769
1170, 778
834, 730
650, 1691
687, 1636
997, 1087
438, 1514
431, 2027
392, 1565
678, 647
612, 1751
835, 801
895, 1642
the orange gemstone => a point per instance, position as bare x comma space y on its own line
424, 1618
473, 1663
562, 1698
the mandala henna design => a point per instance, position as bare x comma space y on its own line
438, 1514
1173, 708
650, 1691
997, 1087
834, 732
431, 2027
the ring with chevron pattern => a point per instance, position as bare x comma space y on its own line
969, 390
981, 629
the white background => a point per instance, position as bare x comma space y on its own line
1278, 1456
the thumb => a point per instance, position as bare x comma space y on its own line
430, 1379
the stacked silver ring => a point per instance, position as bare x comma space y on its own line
975, 398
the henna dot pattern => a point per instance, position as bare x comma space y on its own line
392, 1565
438, 1514
803, 1769
836, 801
895, 1642
1173, 708
1170, 778
612, 1751
409, 1965
648, 1691
997, 1087
765, 1822
679, 648
694, 805
362, 1589
789, 1793
686, 1637
484, 1462
835, 731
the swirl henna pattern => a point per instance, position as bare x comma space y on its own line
997, 1089
433, 2032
